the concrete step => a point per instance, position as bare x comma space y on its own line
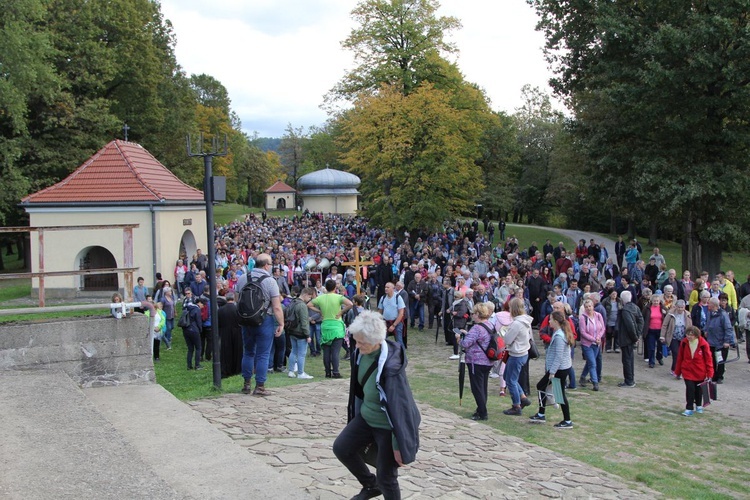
126, 442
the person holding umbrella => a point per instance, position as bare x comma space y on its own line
474, 342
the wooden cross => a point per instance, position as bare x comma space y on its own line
358, 265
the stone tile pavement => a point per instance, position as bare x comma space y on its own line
293, 430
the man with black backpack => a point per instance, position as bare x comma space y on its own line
257, 339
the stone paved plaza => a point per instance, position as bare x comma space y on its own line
293, 430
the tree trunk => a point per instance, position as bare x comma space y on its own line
631, 228
691, 247
612, 222
653, 232
9, 248
2, 264
711, 257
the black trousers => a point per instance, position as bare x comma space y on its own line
693, 394
479, 376
157, 344
355, 436
542, 387
719, 368
628, 368
331, 355
207, 343
523, 379
193, 342
611, 334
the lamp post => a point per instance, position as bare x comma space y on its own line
208, 194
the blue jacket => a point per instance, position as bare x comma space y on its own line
719, 329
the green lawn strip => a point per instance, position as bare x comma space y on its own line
639, 441
14, 289
225, 213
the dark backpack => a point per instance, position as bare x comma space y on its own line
252, 303
184, 321
496, 346
291, 321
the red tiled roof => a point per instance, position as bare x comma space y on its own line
280, 187
119, 172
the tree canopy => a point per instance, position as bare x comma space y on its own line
661, 95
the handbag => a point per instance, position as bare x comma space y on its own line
533, 351
557, 390
706, 392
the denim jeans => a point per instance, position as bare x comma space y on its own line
398, 333
417, 311
168, 333
316, 337
653, 346
512, 372
591, 354
256, 342
298, 354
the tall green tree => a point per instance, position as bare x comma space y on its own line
394, 43
662, 91
415, 155
291, 152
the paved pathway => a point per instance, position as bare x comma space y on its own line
294, 429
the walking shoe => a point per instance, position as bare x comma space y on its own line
328, 375
479, 417
582, 381
525, 402
502, 393
617, 351
247, 388
199, 367
650, 365
698, 409
494, 375
455, 356
661, 362
336, 375
572, 388
367, 493
564, 425
596, 386
292, 375
261, 391
609, 350
515, 410
623, 384
305, 376
687, 413
537, 419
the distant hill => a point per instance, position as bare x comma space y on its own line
268, 143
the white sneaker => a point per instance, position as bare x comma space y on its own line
295, 368
455, 356
292, 375
305, 376
494, 375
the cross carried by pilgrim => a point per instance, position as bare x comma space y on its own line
358, 265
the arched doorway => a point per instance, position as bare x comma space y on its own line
97, 258
188, 247
281, 204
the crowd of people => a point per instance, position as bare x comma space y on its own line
463, 282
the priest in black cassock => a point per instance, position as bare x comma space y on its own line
230, 334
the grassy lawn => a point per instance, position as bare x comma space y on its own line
227, 212
634, 437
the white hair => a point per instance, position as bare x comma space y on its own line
626, 296
369, 325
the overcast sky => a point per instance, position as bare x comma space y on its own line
277, 58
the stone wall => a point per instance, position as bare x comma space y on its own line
92, 351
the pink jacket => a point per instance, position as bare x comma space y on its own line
592, 329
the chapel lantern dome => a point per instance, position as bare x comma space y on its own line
329, 179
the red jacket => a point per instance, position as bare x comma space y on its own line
696, 367
546, 335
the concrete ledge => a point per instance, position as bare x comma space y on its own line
92, 351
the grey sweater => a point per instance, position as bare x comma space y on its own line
558, 354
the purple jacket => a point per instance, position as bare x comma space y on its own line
475, 341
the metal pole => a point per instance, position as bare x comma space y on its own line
208, 193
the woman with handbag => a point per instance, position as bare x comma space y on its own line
695, 365
381, 410
556, 364
459, 313
475, 343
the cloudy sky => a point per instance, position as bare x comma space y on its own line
277, 58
